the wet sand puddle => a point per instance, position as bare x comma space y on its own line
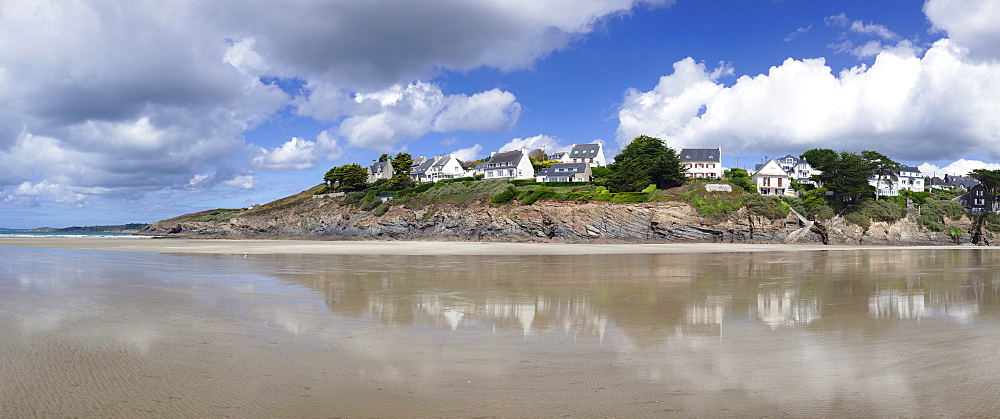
868, 332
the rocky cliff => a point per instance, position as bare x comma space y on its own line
324, 217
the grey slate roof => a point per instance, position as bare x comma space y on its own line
563, 169
423, 167
441, 161
909, 169
557, 155
584, 151
508, 159
379, 166
701, 154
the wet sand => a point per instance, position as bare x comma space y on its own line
415, 248
184, 329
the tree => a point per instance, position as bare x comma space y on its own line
349, 177
401, 164
884, 170
400, 182
544, 164
845, 174
741, 178
383, 157
538, 155
646, 160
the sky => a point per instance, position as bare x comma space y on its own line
116, 112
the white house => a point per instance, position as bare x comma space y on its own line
565, 172
910, 179
702, 163
438, 168
508, 165
798, 169
562, 156
591, 154
771, 179
379, 170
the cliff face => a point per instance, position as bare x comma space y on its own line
322, 217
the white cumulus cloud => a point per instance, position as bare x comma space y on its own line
960, 167
969, 23
903, 105
469, 153
386, 118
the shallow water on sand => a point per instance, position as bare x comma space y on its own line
867, 332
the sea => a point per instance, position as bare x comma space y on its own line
30, 234
873, 332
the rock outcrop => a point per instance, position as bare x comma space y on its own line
323, 217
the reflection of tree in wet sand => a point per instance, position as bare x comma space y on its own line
651, 297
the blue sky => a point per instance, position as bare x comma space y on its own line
136, 111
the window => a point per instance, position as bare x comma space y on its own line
979, 201
767, 181
779, 182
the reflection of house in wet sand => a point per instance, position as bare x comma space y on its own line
573, 315
914, 305
704, 318
786, 308
888, 304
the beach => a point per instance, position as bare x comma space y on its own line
142, 327
416, 248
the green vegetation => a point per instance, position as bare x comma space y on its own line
933, 214
218, 215
506, 196
402, 165
955, 234
349, 177
646, 160
845, 173
739, 177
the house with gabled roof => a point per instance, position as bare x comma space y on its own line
702, 163
798, 169
508, 165
910, 179
565, 172
379, 170
591, 154
771, 179
444, 167
975, 199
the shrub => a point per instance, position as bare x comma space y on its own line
934, 212
716, 205
325, 189
770, 207
416, 190
370, 205
882, 210
381, 209
898, 200
955, 234
218, 215
505, 197
918, 198
822, 212
353, 198
538, 193
858, 219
